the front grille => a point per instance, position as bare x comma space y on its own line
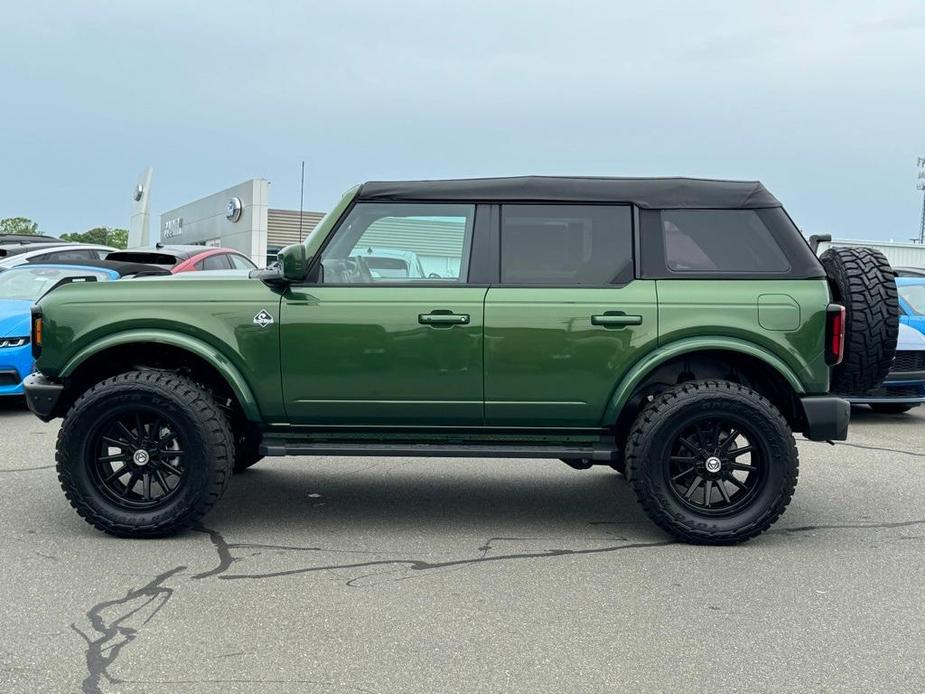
9, 378
909, 361
13, 341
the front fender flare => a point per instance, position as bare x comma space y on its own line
659, 356
194, 345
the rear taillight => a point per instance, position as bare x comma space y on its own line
834, 334
36, 332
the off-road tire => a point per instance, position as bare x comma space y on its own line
890, 407
208, 461
649, 446
865, 284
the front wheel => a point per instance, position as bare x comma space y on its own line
712, 462
144, 454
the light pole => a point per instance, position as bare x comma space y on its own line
920, 185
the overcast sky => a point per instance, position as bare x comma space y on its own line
824, 102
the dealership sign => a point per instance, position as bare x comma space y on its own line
172, 228
233, 209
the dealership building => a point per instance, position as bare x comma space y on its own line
239, 217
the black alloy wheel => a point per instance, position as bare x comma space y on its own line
714, 467
138, 459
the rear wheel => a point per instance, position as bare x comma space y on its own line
890, 407
144, 454
712, 462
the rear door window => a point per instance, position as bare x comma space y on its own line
720, 241
566, 245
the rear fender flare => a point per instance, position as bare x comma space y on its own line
637, 375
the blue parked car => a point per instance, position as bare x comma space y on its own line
21, 286
912, 301
904, 386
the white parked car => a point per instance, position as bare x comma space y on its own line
12, 255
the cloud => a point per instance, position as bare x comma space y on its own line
818, 99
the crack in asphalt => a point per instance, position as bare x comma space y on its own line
337, 686
423, 565
914, 454
225, 559
115, 634
222, 549
27, 469
848, 526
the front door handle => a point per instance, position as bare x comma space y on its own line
615, 319
441, 318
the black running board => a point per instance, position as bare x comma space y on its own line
431, 450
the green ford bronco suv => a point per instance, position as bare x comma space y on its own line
677, 330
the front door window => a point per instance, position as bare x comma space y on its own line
400, 243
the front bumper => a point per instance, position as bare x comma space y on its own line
15, 362
826, 417
42, 396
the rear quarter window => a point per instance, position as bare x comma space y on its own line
759, 243
719, 241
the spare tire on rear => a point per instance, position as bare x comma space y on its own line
865, 284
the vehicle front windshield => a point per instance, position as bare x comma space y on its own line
29, 283
914, 296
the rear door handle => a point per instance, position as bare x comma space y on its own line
615, 319
437, 318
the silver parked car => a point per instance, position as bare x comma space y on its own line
15, 254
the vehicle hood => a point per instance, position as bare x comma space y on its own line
15, 317
198, 276
910, 339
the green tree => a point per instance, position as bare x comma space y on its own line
18, 225
106, 236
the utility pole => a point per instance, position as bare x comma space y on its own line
301, 199
920, 185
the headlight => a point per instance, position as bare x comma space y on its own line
13, 341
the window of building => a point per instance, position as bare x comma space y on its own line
398, 243
719, 241
566, 245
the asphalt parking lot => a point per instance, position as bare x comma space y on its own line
339, 575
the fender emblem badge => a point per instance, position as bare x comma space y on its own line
263, 319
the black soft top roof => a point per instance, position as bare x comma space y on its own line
654, 193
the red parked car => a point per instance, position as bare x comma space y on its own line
186, 258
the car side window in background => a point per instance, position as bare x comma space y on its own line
239, 262
718, 241
58, 256
914, 296
566, 245
214, 262
399, 242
